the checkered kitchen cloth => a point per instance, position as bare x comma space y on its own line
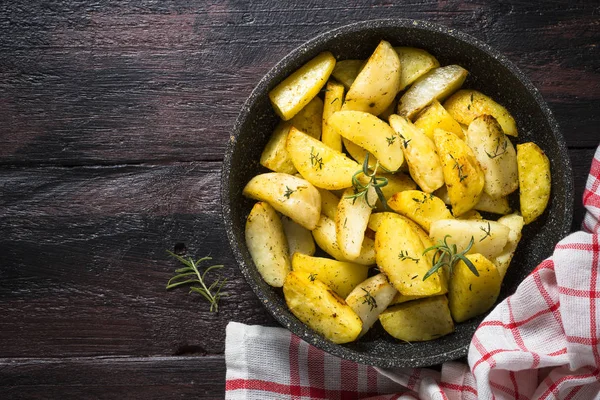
539, 343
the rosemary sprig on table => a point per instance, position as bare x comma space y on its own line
190, 275
377, 183
447, 254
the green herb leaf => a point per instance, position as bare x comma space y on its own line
448, 255
211, 293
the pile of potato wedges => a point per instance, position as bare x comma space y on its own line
387, 165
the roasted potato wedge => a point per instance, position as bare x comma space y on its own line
489, 237
471, 214
397, 182
534, 180
515, 223
400, 298
298, 89
436, 84
399, 255
370, 133
275, 156
370, 298
346, 71
359, 154
319, 164
470, 295
377, 83
319, 307
267, 244
310, 119
436, 117
493, 205
418, 320
329, 203
288, 194
334, 96
462, 173
326, 238
421, 207
341, 276
466, 105
424, 164
351, 221
299, 239
496, 155
415, 63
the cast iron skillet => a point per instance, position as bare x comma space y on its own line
490, 73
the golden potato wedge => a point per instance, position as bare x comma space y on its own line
359, 154
470, 295
400, 298
436, 84
275, 156
399, 255
346, 71
462, 173
298, 89
299, 239
493, 205
334, 96
397, 182
341, 276
489, 237
418, 320
326, 238
534, 180
435, 116
329, 203
420, 153
466, 105
515, 223
377, 83
415, 63
316, 305
421, 207
376, 219
471, 214
267, 244
496, 155
310, 119
288, 194
351, 221
370, 133
319, 164
370, 298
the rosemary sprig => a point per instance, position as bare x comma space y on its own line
500, 148
375, 182
403, 255
369, 300
461, 174
190, 275
488, 231
315, 160
447, 254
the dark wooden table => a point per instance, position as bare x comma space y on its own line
114, 116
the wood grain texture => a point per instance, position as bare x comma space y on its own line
129, 82
114, 117
113, 377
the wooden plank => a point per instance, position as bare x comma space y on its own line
83, 260
110, 82
113, 377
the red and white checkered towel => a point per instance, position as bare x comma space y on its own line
540, 343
